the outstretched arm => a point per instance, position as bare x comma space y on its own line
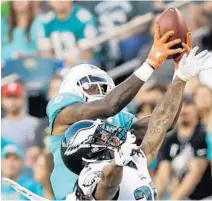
162, 118
119, 97
139, 128
165, 112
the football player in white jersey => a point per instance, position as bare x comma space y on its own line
107, 174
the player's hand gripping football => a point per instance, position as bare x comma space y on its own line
161, 49
191, 65
124, 155
186, 50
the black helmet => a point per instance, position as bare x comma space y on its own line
90, 141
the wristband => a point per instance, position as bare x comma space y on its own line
144, 72
177, 72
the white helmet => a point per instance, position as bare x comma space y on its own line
81, 77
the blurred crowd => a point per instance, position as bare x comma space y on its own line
41, 39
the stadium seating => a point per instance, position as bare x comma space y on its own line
35, 72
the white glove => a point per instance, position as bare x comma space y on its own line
124, 155
191, 65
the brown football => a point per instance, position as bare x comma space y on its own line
172, 19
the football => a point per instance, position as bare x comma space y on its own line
172, 19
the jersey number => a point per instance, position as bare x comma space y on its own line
145, 192
63, 43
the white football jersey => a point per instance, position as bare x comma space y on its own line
135, 185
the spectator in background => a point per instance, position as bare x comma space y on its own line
11, 167
111, 14
42, 132
17, 125
66, 28
30, 159
20, 31
183, 158
54, 86
42, 172
200, 13
37, 7
5, 141
203, 100
126, 46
